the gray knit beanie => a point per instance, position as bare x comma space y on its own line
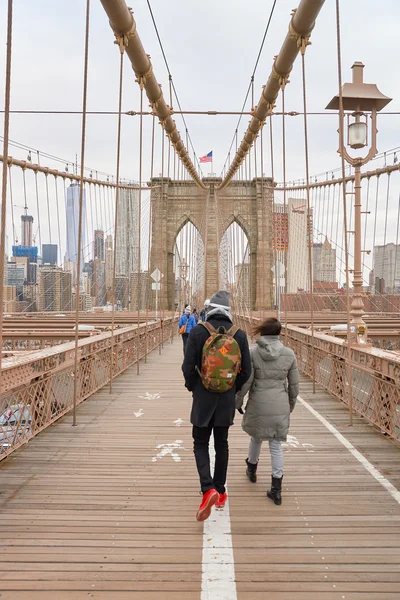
220, 300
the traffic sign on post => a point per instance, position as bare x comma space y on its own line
157, 275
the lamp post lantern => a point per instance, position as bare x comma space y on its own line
364, 100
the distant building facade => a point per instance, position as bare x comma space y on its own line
386, 267
140, 290
55, 289
127, 248
324, 262
98, 245
290, 238
122, 291
49, 254
73, 197
242, 286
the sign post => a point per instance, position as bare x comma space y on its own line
156, 277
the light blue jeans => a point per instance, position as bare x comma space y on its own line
275, 448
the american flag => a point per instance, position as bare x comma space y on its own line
206, 158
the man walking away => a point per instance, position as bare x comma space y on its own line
216, 365
186, 324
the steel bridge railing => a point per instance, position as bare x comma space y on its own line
375, 373
38, 388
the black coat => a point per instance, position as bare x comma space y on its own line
208, 404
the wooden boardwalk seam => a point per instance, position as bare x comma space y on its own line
106, 510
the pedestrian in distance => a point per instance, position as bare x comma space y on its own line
185, 325
273, 389
216, 365
204, 310
196, 316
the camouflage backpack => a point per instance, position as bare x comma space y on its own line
221, 359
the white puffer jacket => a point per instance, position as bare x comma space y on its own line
273, 388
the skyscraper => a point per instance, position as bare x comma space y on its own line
386, 266
73, 193
109, 259
26, 230
98, 245
127, 232
290, 235
55, 289
49, 254
324, 262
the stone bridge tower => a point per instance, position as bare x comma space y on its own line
212, 211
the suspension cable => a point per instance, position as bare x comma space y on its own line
139, 267
83, 144
309, 223
344, 193
121, 70
4, 180
251, 83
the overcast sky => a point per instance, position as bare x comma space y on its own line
211, 47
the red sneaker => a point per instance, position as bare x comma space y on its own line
210, 497
221, 500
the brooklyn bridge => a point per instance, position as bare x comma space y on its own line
149, 193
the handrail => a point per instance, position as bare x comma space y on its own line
38, 386
375, 373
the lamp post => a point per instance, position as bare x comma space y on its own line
364, 100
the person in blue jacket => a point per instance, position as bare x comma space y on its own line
189, 322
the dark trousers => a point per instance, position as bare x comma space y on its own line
201, 439
185, 337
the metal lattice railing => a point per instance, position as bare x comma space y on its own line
38, 389
375, 374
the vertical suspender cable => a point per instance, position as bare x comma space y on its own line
148, 289
309, 221
346, 243
78, 268
38, 210
48, 205
121, 71
139, 286
385, 231
366, 222
279, 231
58, 218
395, 252
263, 214
5, 166
11, 203
161, 296
285, 208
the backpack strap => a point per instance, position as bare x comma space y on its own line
208, 326
232, 331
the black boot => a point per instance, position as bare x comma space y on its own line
251, 471
276, 488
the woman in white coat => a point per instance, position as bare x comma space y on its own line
273, 388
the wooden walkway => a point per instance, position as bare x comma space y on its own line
106, 510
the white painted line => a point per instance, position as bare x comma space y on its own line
218, 567
394, 492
